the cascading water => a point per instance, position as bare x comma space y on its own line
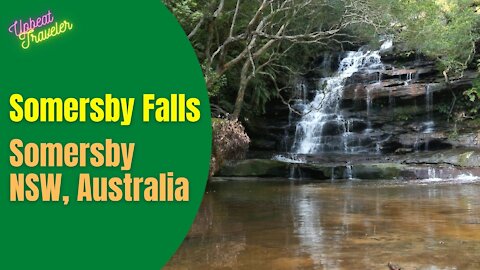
429, 124
356, 119
323, 126
300, 101
409, 78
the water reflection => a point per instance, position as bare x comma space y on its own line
349, 225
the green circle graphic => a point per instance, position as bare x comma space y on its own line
126, 49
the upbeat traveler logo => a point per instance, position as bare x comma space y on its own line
39, 29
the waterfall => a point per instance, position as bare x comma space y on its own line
300, 101
433, 174
387, 44
323, 126
409, 78
349, 172
429, 102
429, 124
391, 104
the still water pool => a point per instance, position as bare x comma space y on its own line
282, 224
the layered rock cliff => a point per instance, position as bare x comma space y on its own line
366, 115
406, 103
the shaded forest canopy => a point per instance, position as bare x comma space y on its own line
253, 51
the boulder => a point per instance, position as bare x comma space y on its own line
319, 171
401, 151
386, 171
255, 168
470, 139
399, 72
467, 158
263, 144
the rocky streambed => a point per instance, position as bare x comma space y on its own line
392, 101
368, 115
445, 164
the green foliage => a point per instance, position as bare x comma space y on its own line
402, 117
209, 25
442, 29
473, 94
466, 106
453, 135
472, 97
443, 109
262, 94
445, 30
186, 11
220, 81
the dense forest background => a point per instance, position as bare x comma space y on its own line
253, 52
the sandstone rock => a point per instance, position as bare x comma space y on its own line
385, 171
264, 144
399, 72
255, 168
401, 151
468, 158
397, 112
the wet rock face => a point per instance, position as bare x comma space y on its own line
448, 164
392, 110
405, 105
400, 88
255, 168
463, 158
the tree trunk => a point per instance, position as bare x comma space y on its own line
244, 79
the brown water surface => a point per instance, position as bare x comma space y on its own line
353, 225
